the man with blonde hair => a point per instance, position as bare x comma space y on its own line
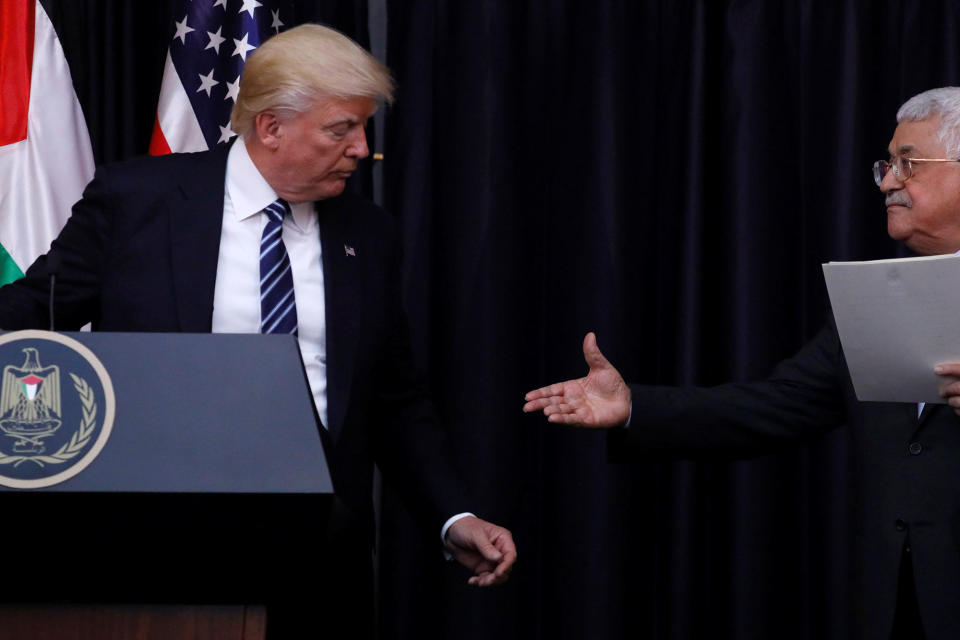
259, 236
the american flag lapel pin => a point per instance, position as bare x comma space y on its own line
350, 251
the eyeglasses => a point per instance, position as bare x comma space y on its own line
902, 167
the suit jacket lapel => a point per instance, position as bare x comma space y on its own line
196, 219
343, 300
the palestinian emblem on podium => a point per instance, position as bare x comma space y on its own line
56, 408
30, 403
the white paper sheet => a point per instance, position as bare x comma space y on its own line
897, 319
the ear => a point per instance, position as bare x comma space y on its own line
268, 129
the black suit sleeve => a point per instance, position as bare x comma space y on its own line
410, 443
804, 397
81, 246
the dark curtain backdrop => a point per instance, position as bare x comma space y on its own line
668, 174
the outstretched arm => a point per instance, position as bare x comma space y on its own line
599, 400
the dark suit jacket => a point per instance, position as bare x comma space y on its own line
906, 472
139, 253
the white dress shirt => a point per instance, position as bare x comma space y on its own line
236, 296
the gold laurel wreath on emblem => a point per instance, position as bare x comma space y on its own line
80, 437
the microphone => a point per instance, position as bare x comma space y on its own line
53, 267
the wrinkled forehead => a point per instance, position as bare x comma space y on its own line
918, 138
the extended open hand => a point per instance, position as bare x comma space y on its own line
599, 400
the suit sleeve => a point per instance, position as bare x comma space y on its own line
411, 445
80, 246
802, 398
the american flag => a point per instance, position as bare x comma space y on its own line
210, 45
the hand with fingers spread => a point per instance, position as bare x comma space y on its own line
950, 389
484, 548
599, 400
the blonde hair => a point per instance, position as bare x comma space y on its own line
292, 71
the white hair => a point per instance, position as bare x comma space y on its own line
943, 102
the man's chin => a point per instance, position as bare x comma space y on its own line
331, 189
922, 244
895, 227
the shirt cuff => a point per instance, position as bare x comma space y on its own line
449, 522
443, 533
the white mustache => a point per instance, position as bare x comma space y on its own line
898, 198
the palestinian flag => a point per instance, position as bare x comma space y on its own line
45, 154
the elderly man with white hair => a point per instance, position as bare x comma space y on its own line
259, 236
906, 469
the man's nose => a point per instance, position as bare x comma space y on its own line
358, 145
889, 182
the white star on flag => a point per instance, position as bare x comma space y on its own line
182, 30
220, 3
249, 6
276, 21
207, 82
233, 89
242, 48
225, 133
215, 40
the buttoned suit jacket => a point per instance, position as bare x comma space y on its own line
905, 471
140, 252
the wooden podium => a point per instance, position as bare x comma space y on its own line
209, 498
91, 622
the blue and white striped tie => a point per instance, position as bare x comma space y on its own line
278, 309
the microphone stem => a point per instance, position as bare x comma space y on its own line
53, 279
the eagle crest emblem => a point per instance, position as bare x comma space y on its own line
56, 408
30, 403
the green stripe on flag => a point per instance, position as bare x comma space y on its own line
9, 271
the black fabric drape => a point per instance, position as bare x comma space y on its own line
116, 51
670, 175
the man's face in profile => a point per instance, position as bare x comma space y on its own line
320, 148
924, 210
